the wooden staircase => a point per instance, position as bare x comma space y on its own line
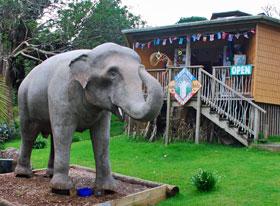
224, 106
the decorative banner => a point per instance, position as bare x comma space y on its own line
194, 37
184, 87
240, 70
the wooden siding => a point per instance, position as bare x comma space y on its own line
267, 65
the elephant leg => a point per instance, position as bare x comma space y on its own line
100, 135
29, 132
49, 172
62, 137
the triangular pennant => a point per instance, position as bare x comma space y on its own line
237, 36
211, 37
224, 35
230, 37
181, 40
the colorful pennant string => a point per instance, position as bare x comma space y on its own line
195, 37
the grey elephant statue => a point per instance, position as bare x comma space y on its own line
79, 90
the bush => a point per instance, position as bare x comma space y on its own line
204, 181
76, 139
40, 143
7, 132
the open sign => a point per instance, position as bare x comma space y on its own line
238, 70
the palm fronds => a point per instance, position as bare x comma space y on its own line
5, 101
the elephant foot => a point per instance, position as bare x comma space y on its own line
22, 171
61, 184
105, 185
49, 173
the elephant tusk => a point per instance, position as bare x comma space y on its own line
120, 111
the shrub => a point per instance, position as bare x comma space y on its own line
204, 181
7, 132
40, 143
76, 139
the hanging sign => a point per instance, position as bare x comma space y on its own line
184, 87
239, 70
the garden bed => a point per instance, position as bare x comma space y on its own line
36, 190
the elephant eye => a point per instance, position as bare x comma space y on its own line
113, 72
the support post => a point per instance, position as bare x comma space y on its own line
198, 110
256, 123
188, 53
168, 105
128, 126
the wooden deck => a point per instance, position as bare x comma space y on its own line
228, 96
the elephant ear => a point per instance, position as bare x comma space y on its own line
79, 68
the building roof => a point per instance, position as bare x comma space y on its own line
206, 25
236, 13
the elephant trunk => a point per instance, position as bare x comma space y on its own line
149, 109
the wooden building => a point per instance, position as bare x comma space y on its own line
250, 102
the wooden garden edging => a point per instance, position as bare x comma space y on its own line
156, 192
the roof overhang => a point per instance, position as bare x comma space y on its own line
228, 24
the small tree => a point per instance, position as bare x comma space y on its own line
271, 10
191, 19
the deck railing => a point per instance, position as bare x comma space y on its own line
231, 105
164, 76
241, 84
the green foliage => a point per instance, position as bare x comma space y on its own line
204, 180
86, 24
191, 19
7, 132
76, 138
117, 126
4, 100
40, 143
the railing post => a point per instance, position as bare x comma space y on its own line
198, 110
168, 105
213, 84
256, 123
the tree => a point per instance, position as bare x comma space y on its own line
17, 20
191, 19
271, 10
87, 24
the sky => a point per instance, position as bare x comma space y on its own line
166, 12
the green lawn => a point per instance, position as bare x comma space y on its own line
249, 176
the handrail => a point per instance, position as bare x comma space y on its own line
235, 92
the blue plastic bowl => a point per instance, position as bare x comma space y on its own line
84, 192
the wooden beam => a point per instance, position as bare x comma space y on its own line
188, 53
198, 111
168, 105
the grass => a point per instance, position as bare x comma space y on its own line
249, 176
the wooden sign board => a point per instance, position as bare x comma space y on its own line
184, 87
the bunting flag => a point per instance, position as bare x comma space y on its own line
219, 35
198, 36
237, 36
224, 35
170, 40
211, 37
181, 40
228, 36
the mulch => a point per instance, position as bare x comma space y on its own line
36, 191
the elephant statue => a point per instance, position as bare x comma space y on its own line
79, 90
